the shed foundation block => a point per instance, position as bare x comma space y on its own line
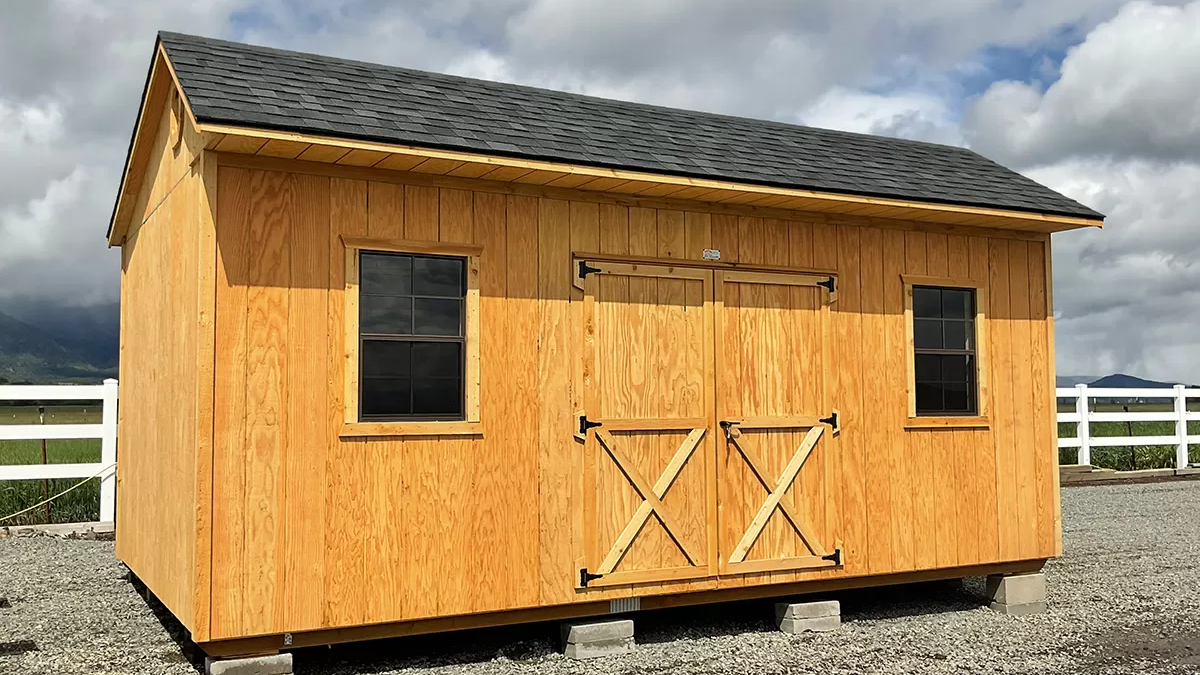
593, 639
1017, 594
798, 617
275, 664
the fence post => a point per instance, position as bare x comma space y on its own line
108, 453
1181, 430
1082, 430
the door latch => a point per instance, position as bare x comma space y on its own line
728, 427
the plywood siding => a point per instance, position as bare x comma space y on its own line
311, 531
165, 371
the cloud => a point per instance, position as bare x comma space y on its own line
1113, 121
1129, 294
1131, 89
913, 115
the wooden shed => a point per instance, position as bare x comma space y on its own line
403, 352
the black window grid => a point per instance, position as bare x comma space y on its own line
415, 338
969, 381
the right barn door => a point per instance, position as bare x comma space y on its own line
774, 469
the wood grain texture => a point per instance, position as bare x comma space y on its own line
165, 341
396, 528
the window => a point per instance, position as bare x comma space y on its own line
412, 338
412, 327
945, 320
944, 346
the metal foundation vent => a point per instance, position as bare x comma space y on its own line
624, 605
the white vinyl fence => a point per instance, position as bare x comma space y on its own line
106, 431
1086, 397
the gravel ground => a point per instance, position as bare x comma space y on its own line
1125, 598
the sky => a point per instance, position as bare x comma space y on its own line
1098, 99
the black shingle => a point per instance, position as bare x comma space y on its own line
233, 83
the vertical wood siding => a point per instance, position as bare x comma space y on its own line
312, 531
166, 315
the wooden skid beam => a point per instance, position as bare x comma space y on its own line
273, 643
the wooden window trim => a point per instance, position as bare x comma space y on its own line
471, 425
983, 419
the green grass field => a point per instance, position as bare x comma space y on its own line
80, 505
1136, 457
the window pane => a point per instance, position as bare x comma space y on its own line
929, 397
927, 302
927, 333
385, 358
437, 317
438, 276
388, 315
386, 396
956, 334
383, 274
440, 396
954, 368
956, 396
929, 368
437, 359
956, 303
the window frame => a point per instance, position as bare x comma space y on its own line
981, 418
352, 424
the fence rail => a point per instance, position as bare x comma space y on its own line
106, 431
1084, 416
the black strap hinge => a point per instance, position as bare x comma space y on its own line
586, 577
832, 420
585, 424
835, 557
830, 283
586, 269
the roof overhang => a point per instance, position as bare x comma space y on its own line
288, 145
356, 153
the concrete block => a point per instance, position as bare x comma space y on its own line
798, 617
276, 664
818, 624
807, 610
589, 640
1017, 594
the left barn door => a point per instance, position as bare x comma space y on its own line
647, 423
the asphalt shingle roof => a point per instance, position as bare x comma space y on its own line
245, 85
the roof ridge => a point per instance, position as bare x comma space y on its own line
873, 138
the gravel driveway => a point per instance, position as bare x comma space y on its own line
1125, 598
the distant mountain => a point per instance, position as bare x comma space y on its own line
61, 348
1122, 381
93, 333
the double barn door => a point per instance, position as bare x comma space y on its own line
703, 424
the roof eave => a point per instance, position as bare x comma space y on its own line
820, 200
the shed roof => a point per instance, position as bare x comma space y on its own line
258, 87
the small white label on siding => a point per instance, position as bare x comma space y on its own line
712, 254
